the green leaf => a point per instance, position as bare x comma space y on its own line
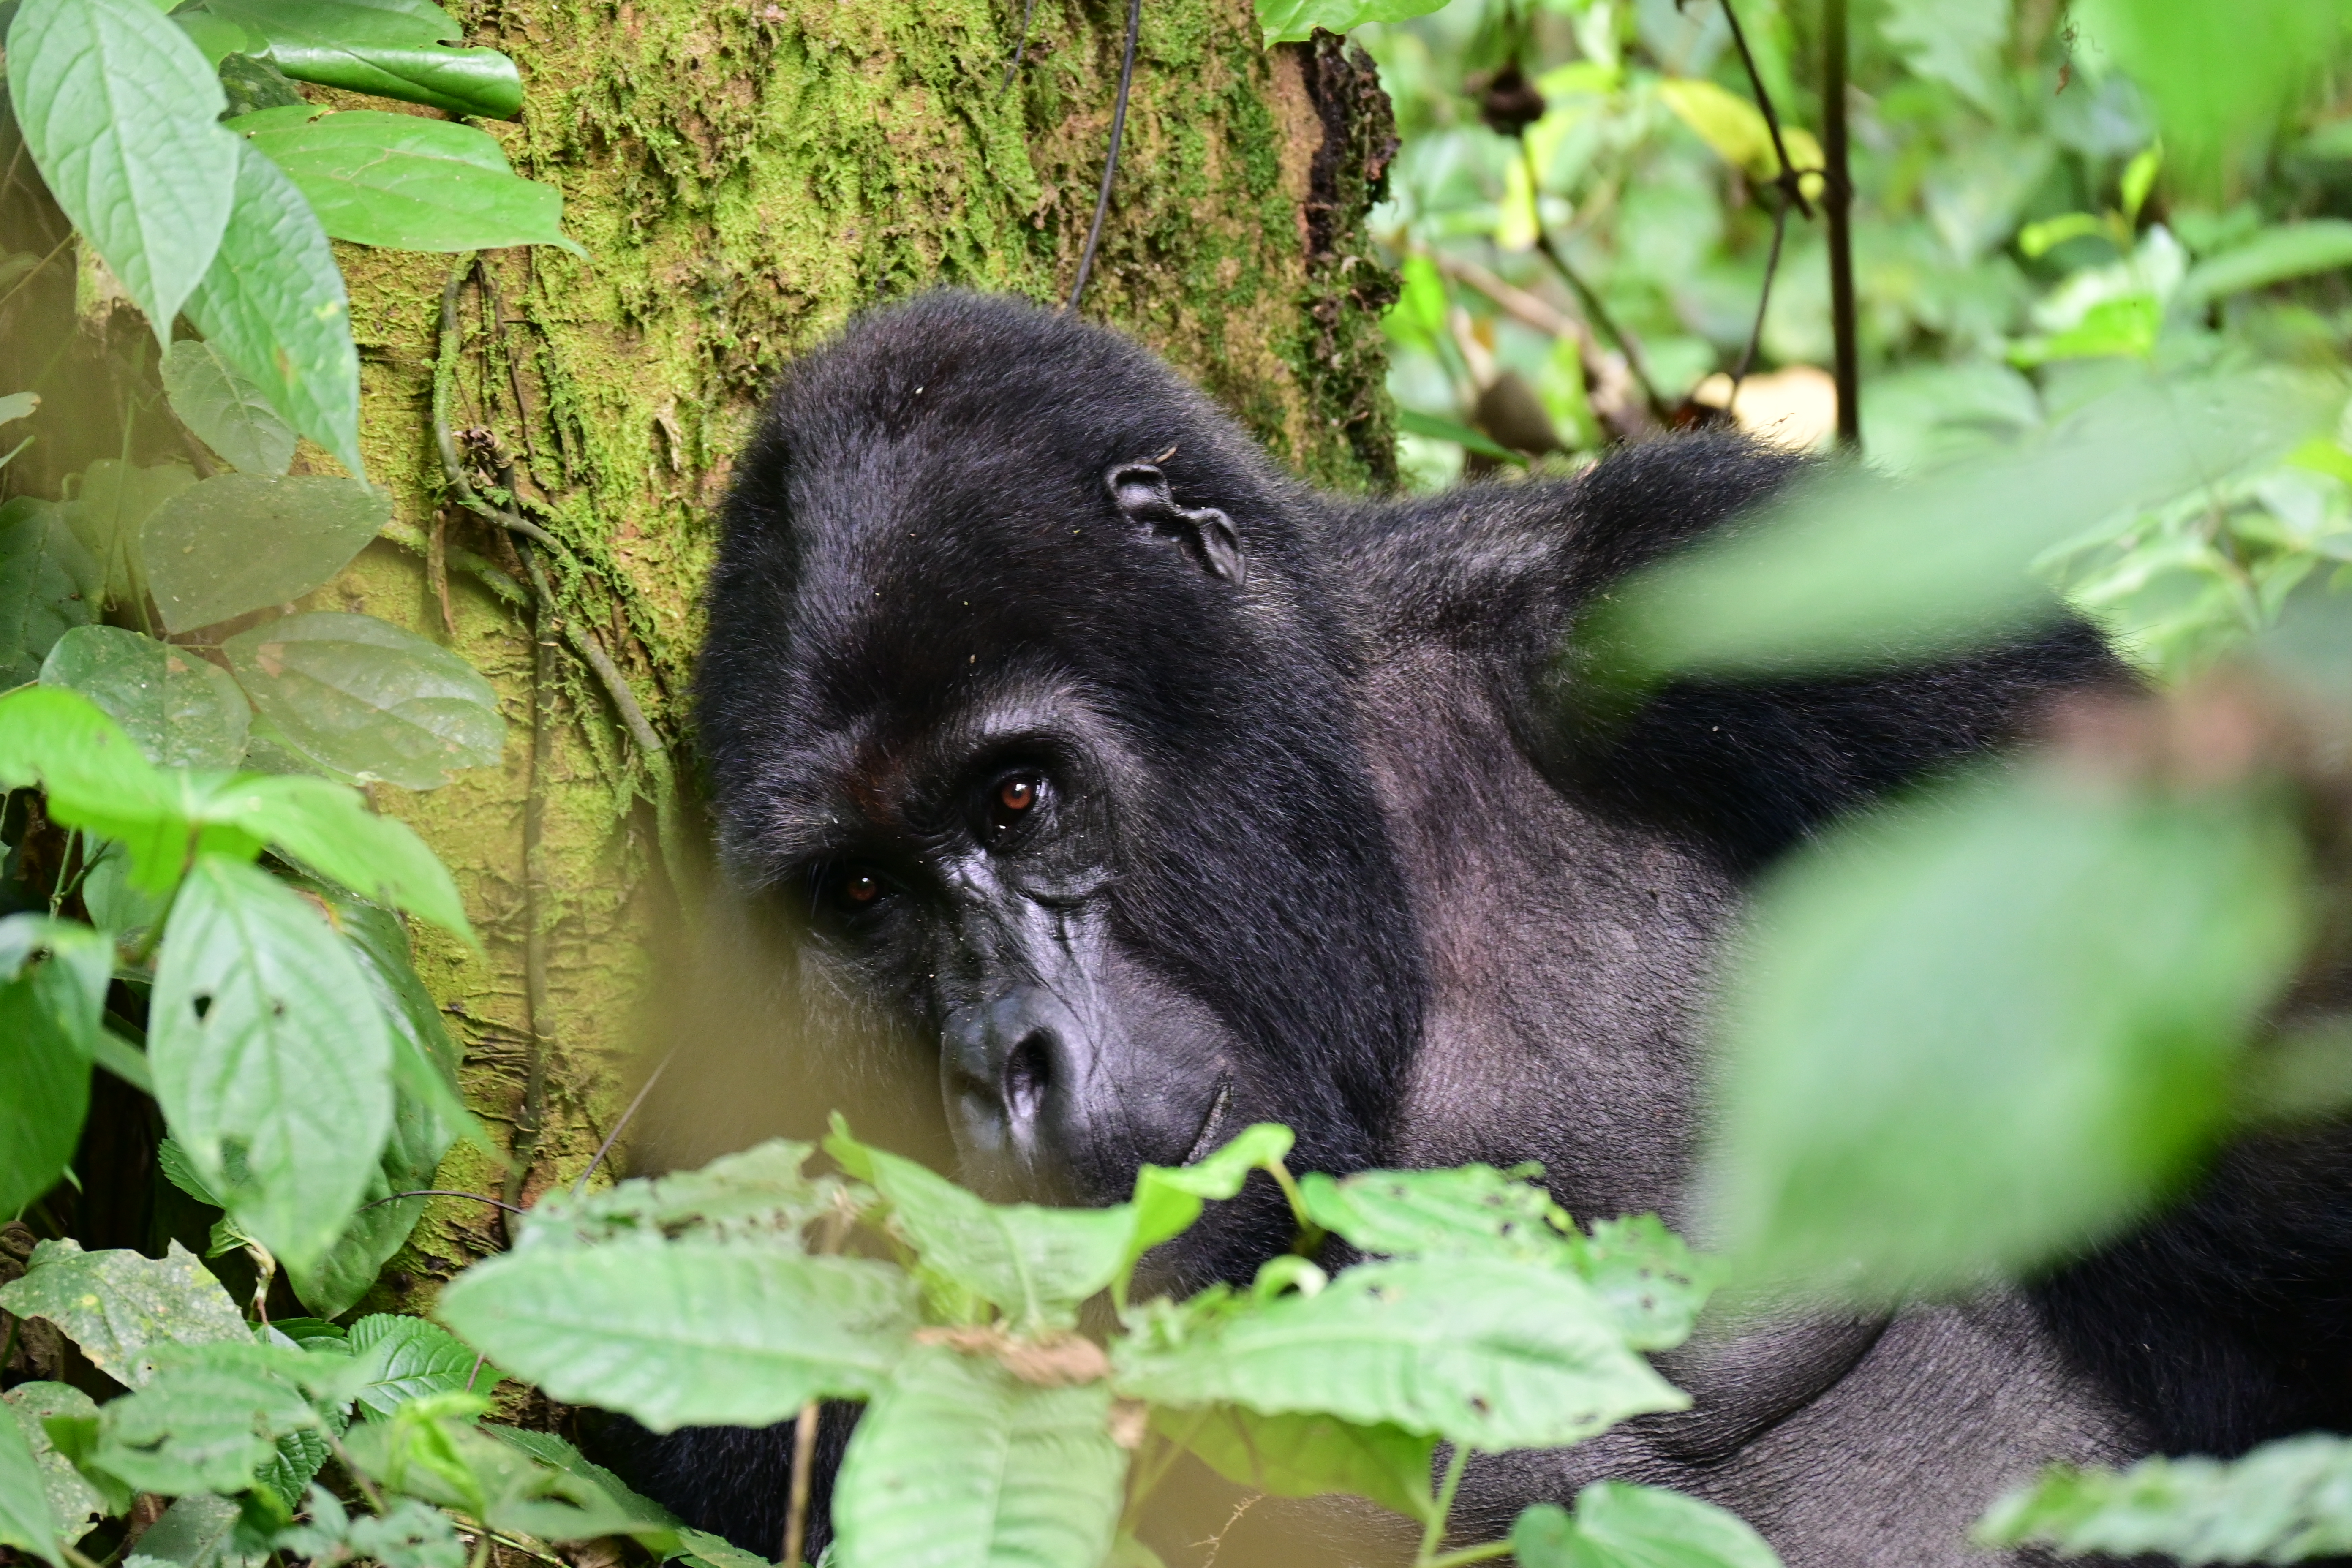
758, 1193
48, 1016
1413, 422
407, 1534
94, 777
408, 183
1035, 1263
182, 711
430, 1449
961, 1465
690, 1333
1617, 1525
273, 306
253, 84
328, 827
2273, 256
1958, 42
1979, 1030
2287, 1501
1850, 570
1308, 1455
300, 1456
242, 541
119, 1307
117, 107
556, 1454
424, 1058
1290, 21
226, 410
410, 1155
205, 1426
1168, 1198
365, 698
1652, 1284
1471, 1210
408, 1357
216, 38
73, 1501
390, 50
109, 512
701, 1549
267, 1045
24, 1518
49, 584
198, 1530
1481, 1352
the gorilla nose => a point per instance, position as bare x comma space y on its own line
1001, 1067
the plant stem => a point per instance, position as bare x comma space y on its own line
1427, 1557
1485, 1554
804, 1468
1838, 201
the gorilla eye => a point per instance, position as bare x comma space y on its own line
1014, 800
858, 887
1017, 794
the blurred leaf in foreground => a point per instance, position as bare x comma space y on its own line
1988, 1025
2285, 1502
1617, 1525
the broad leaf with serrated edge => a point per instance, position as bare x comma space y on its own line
2285, 1502
365, 698
1481, 1352
119, 1307
1035, 1263
182, 709
406, 183
959, 1464
757, 1192
205, 1426
1168, 1197
265, 1039
237, 542
117, 108
690, 1334
226, 410
407, 1357
273, 306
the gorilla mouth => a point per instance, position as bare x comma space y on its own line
1212, 1122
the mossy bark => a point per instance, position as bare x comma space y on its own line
743, 177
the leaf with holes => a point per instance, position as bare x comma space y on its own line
49, 584
242, 541
74, 1502
273, 306
226, 410
25, 1521
959, 1464
117, 108
406, 183
365, 698
271, 1059
182, 711
119, 1307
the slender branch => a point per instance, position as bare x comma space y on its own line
1608, 376
444, 1193
1020, 46
796, 1509
1435, 1531
1594, 311
1787, 179
1763, 301
613, 1137
538, 1010
1469, 1555
1838, 198
1110, 165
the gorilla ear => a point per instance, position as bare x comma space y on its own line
1142, 494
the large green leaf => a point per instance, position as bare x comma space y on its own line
1035, 1263
2273, 256
117, 107
1289, 21
388, 49
1168, 1198
1481, 1352
364, 698
1471, 1209
2287, 1501
49, 584
49, 1019
73, 1501
241, 541
273, 306
119, 1307
408, 1357
111, 508
271, 1059
1307, 1454
1975, 1032
424, 1058
406, 183
348, 1269
1617, 1525
198, 1530
182, 709
207, 1426
961, 1465
328, 827
690, 1333
94, 777
231, 414
1652, 1283
760, 1193
24, 1519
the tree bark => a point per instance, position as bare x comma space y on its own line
743, 176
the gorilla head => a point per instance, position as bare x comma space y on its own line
1024, 687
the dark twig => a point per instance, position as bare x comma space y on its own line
1020, 46
1594, 311
804, 1468
1787, 179
1763, 301
445, 1192
614, 1137
538, 1009
1838, 199
1110, 165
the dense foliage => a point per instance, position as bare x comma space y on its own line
2101, 325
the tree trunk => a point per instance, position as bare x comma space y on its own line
743, 176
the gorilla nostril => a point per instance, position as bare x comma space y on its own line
1028, 1075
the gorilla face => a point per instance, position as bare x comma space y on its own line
1022, 697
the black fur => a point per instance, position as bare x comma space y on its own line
922, 528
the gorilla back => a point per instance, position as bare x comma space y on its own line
1129, 792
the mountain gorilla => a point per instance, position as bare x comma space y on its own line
1131, 792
